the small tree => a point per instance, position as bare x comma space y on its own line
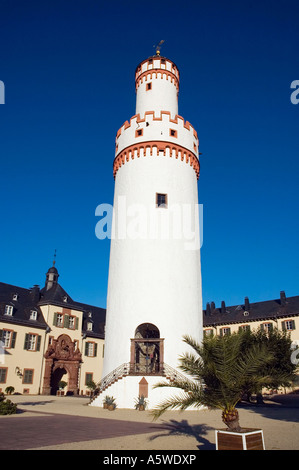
62, 384
280, 369
9, 390
220, 370
91, 385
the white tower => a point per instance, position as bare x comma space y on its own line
154, 286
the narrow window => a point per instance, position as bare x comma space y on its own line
72, 323
173, 133
3, 374
161, 200
8, 310
33, 315
90, 349
28, 376
148, 86
5, 338
88, 377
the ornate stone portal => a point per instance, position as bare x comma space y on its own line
61, 356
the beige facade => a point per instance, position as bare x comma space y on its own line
46, 337
22, 354
289, 324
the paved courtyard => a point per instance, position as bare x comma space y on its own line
68, 423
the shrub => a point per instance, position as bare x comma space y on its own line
7, 407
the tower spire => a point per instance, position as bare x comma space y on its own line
52, 275
54, 260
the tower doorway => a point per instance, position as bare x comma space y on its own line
147, 350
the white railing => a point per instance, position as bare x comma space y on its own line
125, 369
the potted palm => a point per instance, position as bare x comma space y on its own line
220, 370
140, 403
109, 403
106, 402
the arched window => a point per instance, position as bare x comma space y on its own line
146, 351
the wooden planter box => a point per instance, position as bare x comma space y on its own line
248, 439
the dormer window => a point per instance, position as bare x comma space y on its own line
89, 314
89, 326
15, 297
33, 315
65, 298
8, 310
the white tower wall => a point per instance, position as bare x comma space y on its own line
154, 271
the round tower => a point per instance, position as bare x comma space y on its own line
154, 287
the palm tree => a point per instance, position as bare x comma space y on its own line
221, 369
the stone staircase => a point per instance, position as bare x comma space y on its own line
123, 370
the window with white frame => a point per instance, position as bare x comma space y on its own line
90, 349
8, 310
6, 338
33, 315
288, 325
89, 326
71, 323
225, 331
267, 327
59, 320
31, 342
244, 327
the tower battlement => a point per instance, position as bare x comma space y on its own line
156, 127
157, 66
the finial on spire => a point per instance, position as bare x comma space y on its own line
54, 261
158, 47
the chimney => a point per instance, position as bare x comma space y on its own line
223, 309
208, 309
247, 304
35, 293
212, 306
283, 299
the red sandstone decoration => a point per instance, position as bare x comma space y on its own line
62, 354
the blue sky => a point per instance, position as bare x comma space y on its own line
68, 69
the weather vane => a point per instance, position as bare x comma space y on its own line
158, 47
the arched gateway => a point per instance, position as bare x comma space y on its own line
62, 356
